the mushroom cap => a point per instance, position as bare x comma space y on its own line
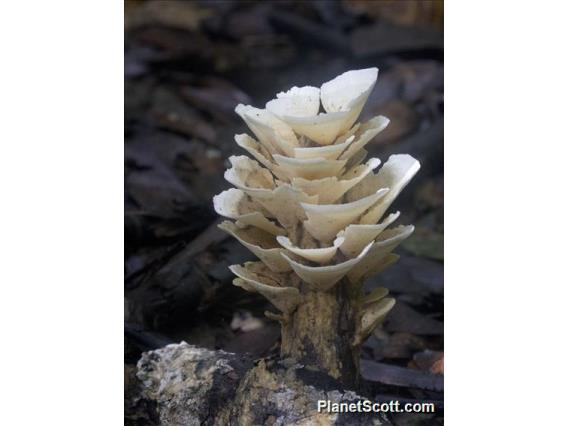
342, 99
318, 255
253, 278
377, 258
263, 244
307, 204
322, 278
325, 221
357, 236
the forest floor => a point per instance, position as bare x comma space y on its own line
187, 65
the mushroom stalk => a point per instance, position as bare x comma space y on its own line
321, 333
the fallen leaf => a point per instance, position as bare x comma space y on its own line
397, 345
410, 13
403, 318
175, 14
400, 376
432, 361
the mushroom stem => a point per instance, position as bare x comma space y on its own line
320, 332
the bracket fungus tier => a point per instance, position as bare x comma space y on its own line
314, 213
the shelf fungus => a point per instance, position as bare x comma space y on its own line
314, 212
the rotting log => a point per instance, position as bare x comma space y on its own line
181, 384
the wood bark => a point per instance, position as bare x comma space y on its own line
181, 384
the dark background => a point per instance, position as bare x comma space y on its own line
187, 65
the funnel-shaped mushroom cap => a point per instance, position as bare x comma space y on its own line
348, 91
317, 255
261, 243
309, 168
325, 221
253, 277
364, 135
373, 315
284, 203
322, 278
275, 135
375, 295
233, 203
257, 220
236, 204
358, 236
342, 98
248, 175
395, 174
260, 154
356, 159
386, 242
296, 102
329, 152
331, 189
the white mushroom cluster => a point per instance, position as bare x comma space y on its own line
307, 204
